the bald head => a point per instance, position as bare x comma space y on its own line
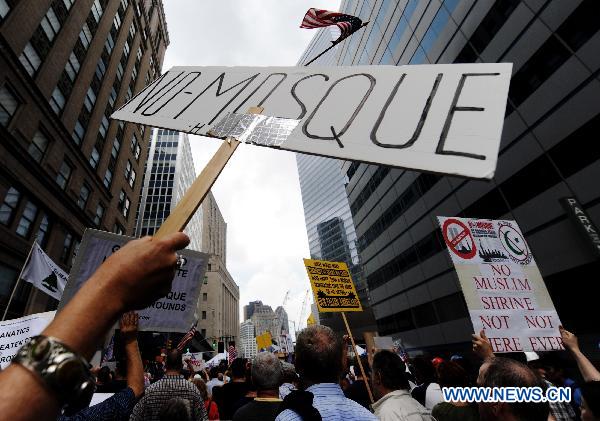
319, 352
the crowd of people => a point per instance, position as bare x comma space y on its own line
323, 383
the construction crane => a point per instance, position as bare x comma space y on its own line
286, 298
303, 310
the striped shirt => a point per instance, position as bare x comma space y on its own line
157, 395
331, 403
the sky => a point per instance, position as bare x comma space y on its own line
258, 192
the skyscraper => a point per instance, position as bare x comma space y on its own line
65, 166
169, 174
247, 339
329, 225
545, 155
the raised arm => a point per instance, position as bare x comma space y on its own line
587, 369
132, 278
135, 368
481, 346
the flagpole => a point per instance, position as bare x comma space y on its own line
18, 280
336, 42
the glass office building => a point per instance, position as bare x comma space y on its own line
169, 174
547, 153
329, 225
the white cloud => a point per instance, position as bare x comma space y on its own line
258, 191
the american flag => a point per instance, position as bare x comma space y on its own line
188, 337
318, 18
232, 353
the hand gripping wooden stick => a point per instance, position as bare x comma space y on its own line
193, 197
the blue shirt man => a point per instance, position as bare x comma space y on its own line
319, 361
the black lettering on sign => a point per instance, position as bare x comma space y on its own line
151, 89
337, 135
420, 124
220, 92
453, 108
302, 106
145, 112
260, 86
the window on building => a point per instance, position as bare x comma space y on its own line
67, 246
42, 234
204, 296
203, 332
132, 177
84, 195
205, 280
108, 178
103, 129
8, 104
62, 178
57, 100
30, 59
78, 132
85, 36
4, 9
118, 229
38, 146
50, 24
72, 67
203, 315
90, 99
97, 11
7, 210
94, 158
99, 214
123, 204
27, 220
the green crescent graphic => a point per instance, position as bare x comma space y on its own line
512, 246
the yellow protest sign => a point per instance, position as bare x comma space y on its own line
310, 321
332, 286
263, 341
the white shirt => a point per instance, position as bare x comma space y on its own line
211, 383
433, 395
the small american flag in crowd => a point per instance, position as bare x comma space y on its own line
188, 337
232, 353
318, 18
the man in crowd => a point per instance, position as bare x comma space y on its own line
233, 391
289, 381
267, 375
120, 405
214, 380
132, 278
504, 372
173, 384
357, 391
391, 389
319, 361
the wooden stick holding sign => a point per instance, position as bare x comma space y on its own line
193, 197
334, 291
358, 359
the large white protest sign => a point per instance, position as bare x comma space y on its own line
504, 290
17, 332
444, 118
173, 313
195, 359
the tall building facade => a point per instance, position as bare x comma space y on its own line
282, 319
169, 174
264, 319
546, 154
247, 339
65, 66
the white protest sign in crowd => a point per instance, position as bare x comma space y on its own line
504, 290
173, 313
444, 118
195, 359
17, 332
